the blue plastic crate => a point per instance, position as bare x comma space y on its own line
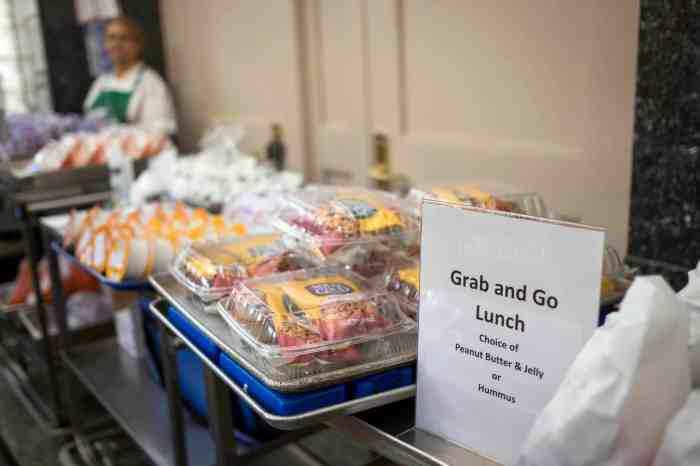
284, 404
190, 373
377, 383
249, 421
204, 343
144, 303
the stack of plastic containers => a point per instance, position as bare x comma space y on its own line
307, 330
294, 303
326, 305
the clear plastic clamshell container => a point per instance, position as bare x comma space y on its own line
403, 280
327, 219
473, 195
313, 321
617, 278
211, 269
373, 261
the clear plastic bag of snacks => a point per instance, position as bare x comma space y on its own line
472, 194
211, 269
310, 321
403, 280
617, 278
327, 219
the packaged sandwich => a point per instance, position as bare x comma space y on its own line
326, 315
473, 195
326, 219
211, 269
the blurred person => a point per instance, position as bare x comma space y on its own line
132, 93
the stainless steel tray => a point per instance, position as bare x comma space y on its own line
214, 327
59, 183
56, 184
292, 422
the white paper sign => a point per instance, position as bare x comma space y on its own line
506, 304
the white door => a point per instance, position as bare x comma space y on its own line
338, 89
537, 95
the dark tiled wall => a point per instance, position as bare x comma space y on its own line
665, 205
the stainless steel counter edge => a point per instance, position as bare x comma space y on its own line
68, 202
413, 447
296, 421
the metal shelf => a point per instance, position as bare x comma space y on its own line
439, 451
389, 430
86, 332
126, 388
413, 447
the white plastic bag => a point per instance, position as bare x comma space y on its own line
681, 444
87, 308
156, 179
691, 295
694, 346
223, 140
623, 388
254, 209
691, 292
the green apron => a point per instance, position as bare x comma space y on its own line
116, 102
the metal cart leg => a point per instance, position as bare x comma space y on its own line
77, 422
59, 299
6, 455
167, 355
33, 244
220, 418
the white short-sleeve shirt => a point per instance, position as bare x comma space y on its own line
150, 106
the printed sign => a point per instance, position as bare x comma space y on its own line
506, 303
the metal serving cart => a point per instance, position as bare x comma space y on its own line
382, 421
169, 435
32, 198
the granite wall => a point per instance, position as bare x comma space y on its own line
665, 204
